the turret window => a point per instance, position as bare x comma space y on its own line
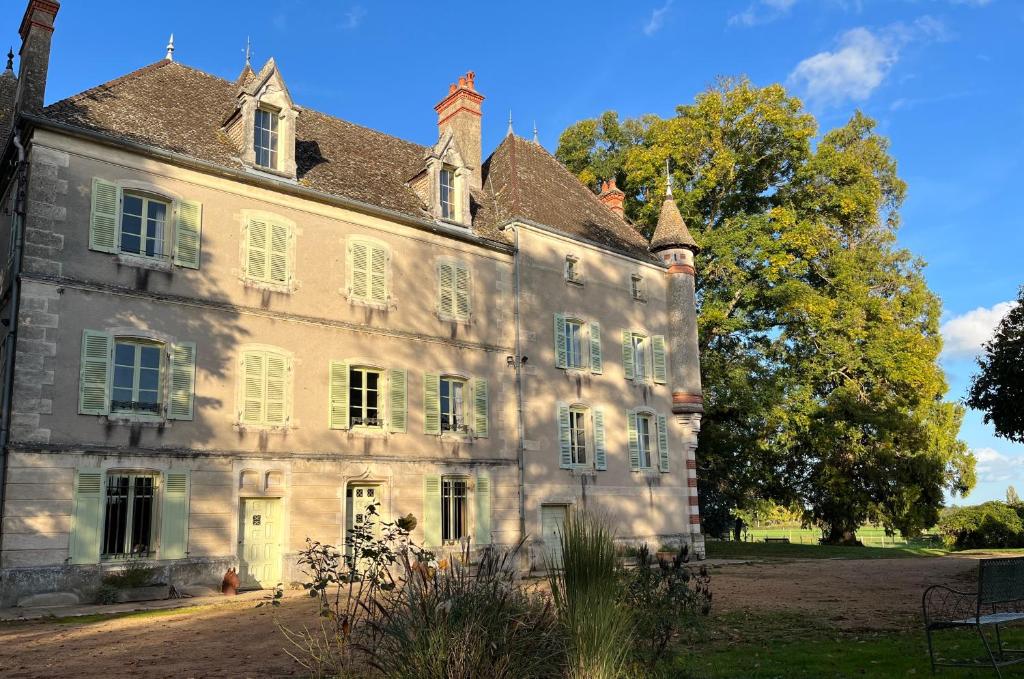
266, 138
447, 193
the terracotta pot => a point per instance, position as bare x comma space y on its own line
665, 556
229, 585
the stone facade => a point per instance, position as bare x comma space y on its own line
475, 298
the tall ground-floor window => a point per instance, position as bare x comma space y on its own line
643, 436
129, 517
453, 508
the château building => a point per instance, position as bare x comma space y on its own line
232, 323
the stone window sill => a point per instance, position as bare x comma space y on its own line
285, 289
130, 419
380, 306
268, 428
145, 262
578, 281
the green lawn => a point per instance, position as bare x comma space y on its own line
758, 550
785, 646
870, 536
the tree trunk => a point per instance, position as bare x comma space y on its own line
840, 534
737, 529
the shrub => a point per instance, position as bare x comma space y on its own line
453, 623
989, 525
134, 574
663, 600
586, 593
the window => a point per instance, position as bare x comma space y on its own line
453, 290
573, 343
143, 225
453, 408
643, 439
267, 257
578, 435
368, 272
572, 270
453, 508
637, 287
364, 398
265, 138
128, 522
447, 193
264, 388
639, 357
136, 383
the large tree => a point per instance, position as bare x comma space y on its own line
819, 336
998, 389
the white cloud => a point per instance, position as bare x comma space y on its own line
861, 61
657, 19
761, 12
995, 467
353, 17
963, 335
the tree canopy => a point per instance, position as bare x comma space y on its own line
819, 336
998, 389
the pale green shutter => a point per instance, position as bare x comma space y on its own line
634, 444
106, 201
432, 511
627, 354
359, 270
174, 516
277, 389
462, 304
253, 387
378, 275
483, 510
87, 521
183, 381
658, 357
564, 437
561, 360
600, 452
94, 373
338, 395
596, 366
188, 234
256, 250
431, 403
662, 443
398, 401
280, 238
445, 289
480, 420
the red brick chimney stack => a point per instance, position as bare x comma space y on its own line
612, 196
460, 113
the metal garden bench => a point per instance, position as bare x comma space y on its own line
998, 601
778, 540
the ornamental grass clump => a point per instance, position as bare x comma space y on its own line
457, 621
586, 592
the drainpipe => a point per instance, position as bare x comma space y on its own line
518, 365
10, 342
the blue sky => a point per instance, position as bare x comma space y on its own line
942, 77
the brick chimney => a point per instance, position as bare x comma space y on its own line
612, 197
460, 112
34, 57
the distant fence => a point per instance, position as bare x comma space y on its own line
869, 537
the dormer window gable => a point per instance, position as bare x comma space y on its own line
263, 124
444, 186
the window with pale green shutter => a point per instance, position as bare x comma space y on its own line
188, 234
431, 403
637, 356
432, 511
87, 519
564, 437
264, 389
368, 272
103, 220
453, 290
660, 365
174, 515
600, 450
338, 395
483, 510
183, 381
268, 252
398, 400
663, 450
596, 364
94, 375
480, 408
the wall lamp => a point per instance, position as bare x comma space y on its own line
510, 361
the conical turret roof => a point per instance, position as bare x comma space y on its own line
671, 231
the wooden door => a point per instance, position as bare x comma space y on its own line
359, 497
260, 548
552, 522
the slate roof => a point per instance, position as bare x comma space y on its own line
177, 108
671, 230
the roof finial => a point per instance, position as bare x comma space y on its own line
536, 139
170, 49
510, 132
248, 51
10, 59
668, 178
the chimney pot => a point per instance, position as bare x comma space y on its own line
612, 196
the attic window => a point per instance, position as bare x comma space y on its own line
637, 287
447, 193
266, 138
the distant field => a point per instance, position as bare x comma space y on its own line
717, 549
871, 537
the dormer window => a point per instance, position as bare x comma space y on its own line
447, 196
265, 138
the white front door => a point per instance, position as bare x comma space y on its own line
552, 520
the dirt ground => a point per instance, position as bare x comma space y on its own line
242, 641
